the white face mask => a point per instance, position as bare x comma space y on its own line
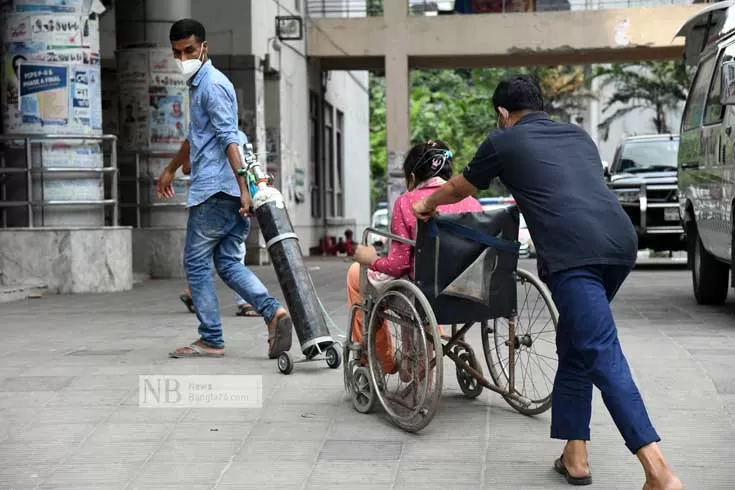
189, 67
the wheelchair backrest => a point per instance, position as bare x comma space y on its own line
465, 264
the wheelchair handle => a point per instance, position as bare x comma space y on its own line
387, 235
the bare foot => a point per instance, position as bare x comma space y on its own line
669, 483
279, 334
659, 475
575, 459
197, 349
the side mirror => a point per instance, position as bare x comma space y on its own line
727, 92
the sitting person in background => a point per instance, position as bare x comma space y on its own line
426, 168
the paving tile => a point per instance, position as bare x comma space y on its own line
256, 474
377, 474
105, 475
122, 452
80, 427
188, 432
266, 449
430, 474
202, 451
88, 398
35, 383
356, 450
304, 429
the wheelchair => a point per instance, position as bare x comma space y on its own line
466, 273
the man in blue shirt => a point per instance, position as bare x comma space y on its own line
586, 246
219, 202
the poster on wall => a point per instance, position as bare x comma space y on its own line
51, 71
168, 112
52, 6
43, 94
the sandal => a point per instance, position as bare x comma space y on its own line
572, 480
279, 335
248, 311
197, 351
186, 299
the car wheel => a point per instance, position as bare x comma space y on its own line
710, 277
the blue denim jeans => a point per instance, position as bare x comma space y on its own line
215, 234
590, 354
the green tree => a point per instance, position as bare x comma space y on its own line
564, 89
456, 106
656, 86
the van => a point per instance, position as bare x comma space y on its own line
706, 156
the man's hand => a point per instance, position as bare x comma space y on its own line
186, 168
246, 205
164, 187
423, 210
365, 254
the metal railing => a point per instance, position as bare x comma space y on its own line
137, 159
34, 174
374, 8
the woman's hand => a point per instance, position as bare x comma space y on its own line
366, 254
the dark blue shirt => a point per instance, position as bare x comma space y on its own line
555, 174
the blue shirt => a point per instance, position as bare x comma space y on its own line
555, 174
212, 128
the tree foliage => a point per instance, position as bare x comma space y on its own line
456, 106
654, 86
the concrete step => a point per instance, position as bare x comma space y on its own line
21, 292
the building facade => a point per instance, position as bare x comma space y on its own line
310, 127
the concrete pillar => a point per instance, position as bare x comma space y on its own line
154, 121
154, 102
397, 97
51, 86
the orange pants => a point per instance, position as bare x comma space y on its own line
383, 340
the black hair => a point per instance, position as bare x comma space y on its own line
185, 28
13, 63
427, 160
517, 93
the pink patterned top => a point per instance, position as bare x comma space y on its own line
399, 260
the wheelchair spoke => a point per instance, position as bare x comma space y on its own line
516, 355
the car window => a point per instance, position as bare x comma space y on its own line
380, 220
648, 156
696, 101
714, 112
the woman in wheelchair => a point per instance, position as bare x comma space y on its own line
427, 167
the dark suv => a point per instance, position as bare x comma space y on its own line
643, 175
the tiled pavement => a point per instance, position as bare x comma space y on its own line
69, 417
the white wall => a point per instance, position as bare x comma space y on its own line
242, 27
637, 122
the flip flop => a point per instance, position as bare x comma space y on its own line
198, 352
280, 336
186, 299
247, 311
572, 480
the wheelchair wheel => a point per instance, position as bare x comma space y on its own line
467, 383
532, 346
363, 394
405, 355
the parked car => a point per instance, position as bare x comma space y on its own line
524, 237
643, 175
379, 222
706, 157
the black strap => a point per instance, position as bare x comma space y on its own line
472, 234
